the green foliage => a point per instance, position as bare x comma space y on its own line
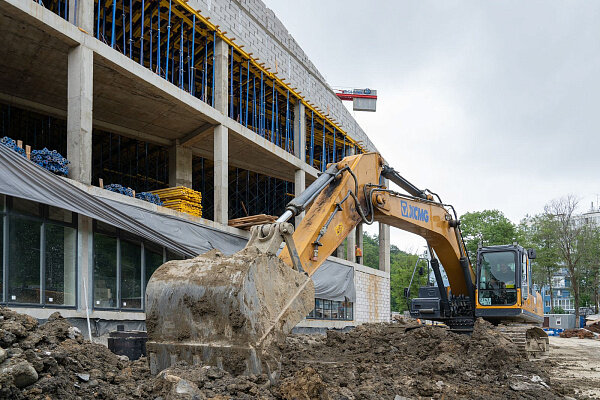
489, 227
402, 265
557, 310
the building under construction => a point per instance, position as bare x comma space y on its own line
210, 95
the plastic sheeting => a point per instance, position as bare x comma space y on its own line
21, 178
334, 281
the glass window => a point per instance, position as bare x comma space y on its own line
319, 309
24, 261
131, 274
497, 278
327, 309
171, 255
335, 310
153, 256
2, 254
105, 271
60, 267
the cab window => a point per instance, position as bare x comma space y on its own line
497, 278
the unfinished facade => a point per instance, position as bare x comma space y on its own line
213, 95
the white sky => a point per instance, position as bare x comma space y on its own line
493, 105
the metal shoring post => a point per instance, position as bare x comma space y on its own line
193, 67
180, 74
114, 15
344, 152
98, 22
273, 112
204, 77
123, 27
231, 85
158, 40
168, 42
247, 91
323, 152
287, 122
130, 31
260, 112
333, 152
142, 34
213, 69
254, 104
312, 137
240, 105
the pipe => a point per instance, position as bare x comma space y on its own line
391, 174
298, 204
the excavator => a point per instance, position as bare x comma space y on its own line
231, 311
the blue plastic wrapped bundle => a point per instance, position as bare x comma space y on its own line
8, 142
149, 197
51, 160
115, 187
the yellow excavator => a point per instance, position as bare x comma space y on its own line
231, 311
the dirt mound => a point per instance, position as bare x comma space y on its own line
374, 361
595, 327
578, 333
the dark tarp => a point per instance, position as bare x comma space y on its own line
21, 178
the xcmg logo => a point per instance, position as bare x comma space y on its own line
414, 212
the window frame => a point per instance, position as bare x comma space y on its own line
6, 212
119, 235
318, 312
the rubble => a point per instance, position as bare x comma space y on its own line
373, 361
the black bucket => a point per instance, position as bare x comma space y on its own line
128, 343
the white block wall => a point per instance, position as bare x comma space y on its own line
257, 27
372, 295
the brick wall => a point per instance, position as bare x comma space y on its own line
256, 27
372, 295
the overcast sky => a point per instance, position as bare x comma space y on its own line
491, 104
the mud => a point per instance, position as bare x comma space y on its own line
374, 361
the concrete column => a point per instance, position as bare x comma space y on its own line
79, 113
300, 131
359, 242
340, 252
351, 250
221, 76
299, 186
85, 266
384, 247
221, 179
180, 166
81, 14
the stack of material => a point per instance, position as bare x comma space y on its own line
8, 142
51, 160
149, 197
182, 199
247, 222
115, 187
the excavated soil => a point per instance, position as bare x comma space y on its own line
374, 361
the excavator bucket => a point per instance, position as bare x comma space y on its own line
226, 311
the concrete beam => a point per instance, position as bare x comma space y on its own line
340, 251
384, 247
221, 76
81, 14
180, 166
351, 250
79, 113
221, 178
299, 186
300, 131
197, 134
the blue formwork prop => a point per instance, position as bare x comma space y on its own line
51, 160
149, 197
115, 187
11, 144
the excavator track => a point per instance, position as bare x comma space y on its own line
532, 341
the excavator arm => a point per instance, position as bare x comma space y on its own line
352, 192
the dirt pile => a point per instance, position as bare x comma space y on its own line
578, 333
595, 327
375, 361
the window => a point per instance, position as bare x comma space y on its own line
332, 310
123, 265
39, 253
497, 278
547, 303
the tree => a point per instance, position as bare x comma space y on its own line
571, 239
488, 227
538, 232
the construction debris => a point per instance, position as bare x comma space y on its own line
51, 160
578, 333
373, 361
181, 199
